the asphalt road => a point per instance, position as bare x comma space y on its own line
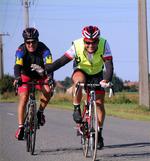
57, 141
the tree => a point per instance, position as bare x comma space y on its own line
118, 83
6, 84
67, 82
133, 88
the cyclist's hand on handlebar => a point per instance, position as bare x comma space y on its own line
50, 81
18, 81
38, 69
14, 83
104, 84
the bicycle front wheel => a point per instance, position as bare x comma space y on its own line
93, 130
26, 131
84, 136
33, 128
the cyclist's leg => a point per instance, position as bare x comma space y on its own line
22, 107
21, 115
77, 76
46, 90
24, 95
45, 98
100, 107
101, 117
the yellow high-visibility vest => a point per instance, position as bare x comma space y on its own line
82, 61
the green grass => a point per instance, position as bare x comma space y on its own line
125, 111
128, 111
122, 105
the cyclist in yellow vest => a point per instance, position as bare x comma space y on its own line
89, 54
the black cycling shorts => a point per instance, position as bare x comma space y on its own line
96, 78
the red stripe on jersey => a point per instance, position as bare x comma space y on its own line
44, 51
19, 50
68, 56
108, 57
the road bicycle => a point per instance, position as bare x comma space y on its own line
89, 127
31, 121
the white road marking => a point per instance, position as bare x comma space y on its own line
10, 114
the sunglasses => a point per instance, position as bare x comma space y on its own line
31, 42
93, 43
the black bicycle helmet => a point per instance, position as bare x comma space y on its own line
30, 33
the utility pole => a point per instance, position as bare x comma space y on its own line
26, 5
143, 55
1, 55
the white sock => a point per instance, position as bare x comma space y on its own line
76, 104
21, 126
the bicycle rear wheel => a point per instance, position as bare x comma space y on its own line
84, 138
33, 128
93, 130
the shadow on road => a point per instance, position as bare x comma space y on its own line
60, 150
138, 151
108, 153
135, 145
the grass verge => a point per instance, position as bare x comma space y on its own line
123, 105
125, 111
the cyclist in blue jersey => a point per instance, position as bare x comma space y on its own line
89, 54
31, 51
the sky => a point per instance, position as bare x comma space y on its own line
61, 22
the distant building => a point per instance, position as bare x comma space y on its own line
69, 90
129, 84
59, 87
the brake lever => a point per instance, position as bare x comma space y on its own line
16, 89
77, 89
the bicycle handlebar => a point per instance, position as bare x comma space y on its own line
33, 83
108, 85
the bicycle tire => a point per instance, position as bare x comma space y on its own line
84, 139
28, 140
26, 131
93, 130
33, 128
